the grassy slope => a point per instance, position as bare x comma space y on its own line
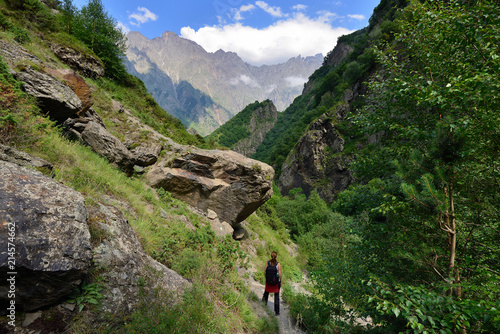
221, 302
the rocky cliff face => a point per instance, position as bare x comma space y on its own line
221, 83
319, 160
262, 120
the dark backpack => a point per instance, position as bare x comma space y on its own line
272, 275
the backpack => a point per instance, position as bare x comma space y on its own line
272, 275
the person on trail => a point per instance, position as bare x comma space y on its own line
272, 272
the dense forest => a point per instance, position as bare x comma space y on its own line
416, 240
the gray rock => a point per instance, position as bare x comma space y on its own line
107, 145
86, 65
20, 158
221, 229
226, 182
146, 155
56, 98
125, 264
52, 240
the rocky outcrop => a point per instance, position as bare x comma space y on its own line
146, 154
52, 241
84, 64
318, 160
20, 158
262, 120
77, 85
107, 145
56, 98
125, 264
225, 182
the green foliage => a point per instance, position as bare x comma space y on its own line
431, 310
237, 128
97, 29
87, 294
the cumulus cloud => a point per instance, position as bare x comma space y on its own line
144, 15
357, 17
295, 81
274, 44
274, 11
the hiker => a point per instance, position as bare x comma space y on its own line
272, 271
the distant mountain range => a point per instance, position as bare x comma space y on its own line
204, 90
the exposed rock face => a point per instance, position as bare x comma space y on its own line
107, 145
52, 240
12, 155
86, 65
262, 120
77, 84
56, 98
146, 155
120, 254
226, 182
317, 160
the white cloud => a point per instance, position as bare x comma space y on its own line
274, 11
242, 9
122, 27
299, 7
357, 17
287, 38
246, 80
295, 81
144, 15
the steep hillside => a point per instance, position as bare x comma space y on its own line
312, 143
245, 131
95, 184
205, 89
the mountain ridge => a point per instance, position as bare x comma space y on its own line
223, 76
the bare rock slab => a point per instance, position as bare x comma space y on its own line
52, 241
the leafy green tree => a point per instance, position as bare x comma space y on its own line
98, 30
437, 105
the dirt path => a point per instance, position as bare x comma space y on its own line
286, 323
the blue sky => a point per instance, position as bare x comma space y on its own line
261, 32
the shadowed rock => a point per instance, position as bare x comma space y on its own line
107, 145
56, 98
52, 241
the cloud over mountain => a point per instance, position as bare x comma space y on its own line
286, 38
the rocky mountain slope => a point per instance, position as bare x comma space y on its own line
313, 143
246, 130
104, 210
205, 89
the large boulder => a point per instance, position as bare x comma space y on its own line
52, 242
125, 264
107, 145
230, 184
85, 64
56, 98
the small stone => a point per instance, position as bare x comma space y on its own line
29, 318
211, 214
